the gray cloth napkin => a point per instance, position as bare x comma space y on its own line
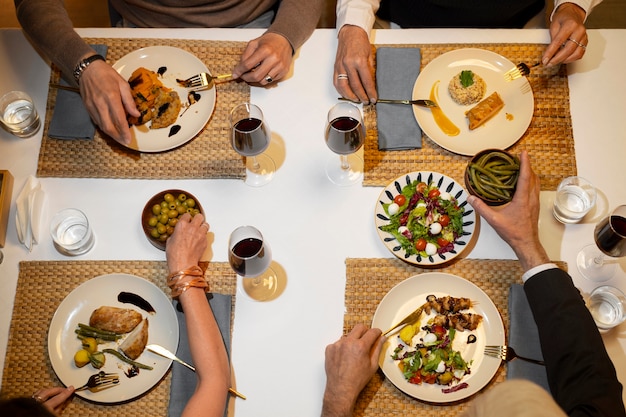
524, 338
70, 119
184, 379
396, 72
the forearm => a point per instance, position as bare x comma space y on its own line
296, 20
208, 354
48, 25
585, 5
580, 372
336, 405
361, 13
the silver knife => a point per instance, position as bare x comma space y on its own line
419, 102
160, 350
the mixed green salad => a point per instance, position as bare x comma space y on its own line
424, 220
432, 360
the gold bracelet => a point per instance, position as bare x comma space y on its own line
194, 271
192, 283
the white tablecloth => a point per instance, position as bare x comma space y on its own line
311, 224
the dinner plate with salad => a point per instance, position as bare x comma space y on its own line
423, 218
440, 359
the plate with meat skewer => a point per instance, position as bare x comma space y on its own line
458, 321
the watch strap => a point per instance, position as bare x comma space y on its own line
83, 64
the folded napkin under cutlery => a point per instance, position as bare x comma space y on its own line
183, 380
70, 119
29, 204
396, 72
524, 338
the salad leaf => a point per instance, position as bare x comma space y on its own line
467, 78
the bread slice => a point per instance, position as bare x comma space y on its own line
136, 341
115, 319
484, 110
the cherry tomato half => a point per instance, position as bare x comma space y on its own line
400, 199
442, 243
420, 244
434, 193
439, 331
444, 220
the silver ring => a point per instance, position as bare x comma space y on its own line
37, 398
342, 76
268, 78
206, 224
577, 43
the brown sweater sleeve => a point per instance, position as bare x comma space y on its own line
296, 20
49, 27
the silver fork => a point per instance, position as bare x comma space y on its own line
202, 81
519, 71
100, 381
507, 354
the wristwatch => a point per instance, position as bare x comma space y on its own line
82, 65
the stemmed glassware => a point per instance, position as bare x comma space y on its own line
594, 261
250, 136
250, 257
345, 135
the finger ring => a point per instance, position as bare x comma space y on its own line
206, 224
577, 43
268, 78
342, 76
37, 398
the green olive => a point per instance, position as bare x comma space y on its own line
153, 221
154, 233
190, 202
172, 222
182, 197
164, 218
172, 213
169, 198
156, 209
161, 228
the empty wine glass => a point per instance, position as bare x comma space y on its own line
250, 257
250, 138
345, 135
595, 261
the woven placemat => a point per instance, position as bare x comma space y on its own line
549, 139
208, 155
369, 280
41, 287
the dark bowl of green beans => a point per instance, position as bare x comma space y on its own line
491, 175
161, 213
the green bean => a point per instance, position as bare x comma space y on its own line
494, 175
125, 359
87, 331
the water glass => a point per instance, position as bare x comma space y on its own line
575, 196
18, 114
607, 305
71, 232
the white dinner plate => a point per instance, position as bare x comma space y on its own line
503, 130
411, 293
177, 64
77, 307
444, 183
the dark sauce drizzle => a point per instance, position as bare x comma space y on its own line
161, 70
174, 130
130, 298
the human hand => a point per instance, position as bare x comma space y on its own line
188, 242
54, 399
568, 34
517, 222
108, 99
350, 364
354, 60
265, 60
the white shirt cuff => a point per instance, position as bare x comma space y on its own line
539, 268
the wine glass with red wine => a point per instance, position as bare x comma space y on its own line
250, 257
250, 138
595, 261
344, 136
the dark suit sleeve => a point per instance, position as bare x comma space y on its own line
580, 373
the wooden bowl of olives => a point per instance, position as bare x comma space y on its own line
161, 213
491, 175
